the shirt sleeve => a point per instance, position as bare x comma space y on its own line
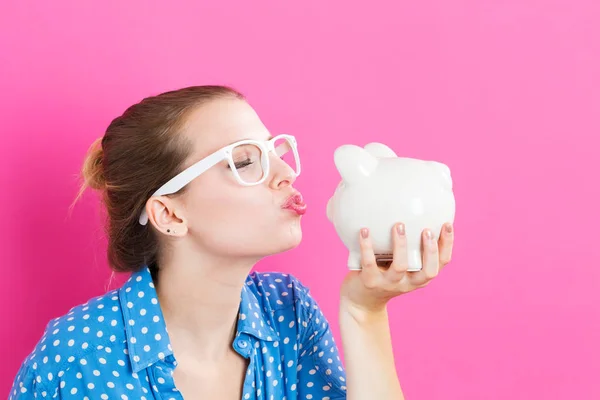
321, 374
25, 386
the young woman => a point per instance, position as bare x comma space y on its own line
197, 191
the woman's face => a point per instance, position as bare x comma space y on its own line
220, 215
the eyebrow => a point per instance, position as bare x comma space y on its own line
248, 138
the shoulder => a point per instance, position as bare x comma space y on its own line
84, 330
287, 300
279, 290
289, 308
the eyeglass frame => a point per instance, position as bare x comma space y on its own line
183, 178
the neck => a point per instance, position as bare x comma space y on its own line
200, 301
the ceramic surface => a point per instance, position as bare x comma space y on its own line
379, 189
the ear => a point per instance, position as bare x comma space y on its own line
444, 172
380, 150
354, 163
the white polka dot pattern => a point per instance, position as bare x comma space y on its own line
116, 346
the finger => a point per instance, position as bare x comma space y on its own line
445, 245
399, 266
431, 260
367, 256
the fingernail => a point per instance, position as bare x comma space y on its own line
400, 229
449, 228
364, 232
428, 234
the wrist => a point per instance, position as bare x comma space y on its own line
362, 314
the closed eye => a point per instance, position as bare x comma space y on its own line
242, 164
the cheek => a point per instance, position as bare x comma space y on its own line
242, 225
230, 205
242, 220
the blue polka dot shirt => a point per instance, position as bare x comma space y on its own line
116, 346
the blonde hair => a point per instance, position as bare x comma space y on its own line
92, 172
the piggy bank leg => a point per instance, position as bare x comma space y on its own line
414, 261
354, 261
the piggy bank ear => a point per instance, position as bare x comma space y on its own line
444, 171
380, 150
354, 163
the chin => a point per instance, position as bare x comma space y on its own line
274, 236
293, 236
289, 236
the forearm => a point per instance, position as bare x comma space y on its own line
367, 343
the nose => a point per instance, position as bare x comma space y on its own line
282, 174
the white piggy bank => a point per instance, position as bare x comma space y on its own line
379, 189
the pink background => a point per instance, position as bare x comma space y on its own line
506, 92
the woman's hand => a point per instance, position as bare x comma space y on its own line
369, 289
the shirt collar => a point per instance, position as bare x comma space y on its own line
251, 319
145, 329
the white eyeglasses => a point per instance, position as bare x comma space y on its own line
248, 160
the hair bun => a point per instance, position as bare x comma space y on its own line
93, 170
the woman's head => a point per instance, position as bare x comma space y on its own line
155, 140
